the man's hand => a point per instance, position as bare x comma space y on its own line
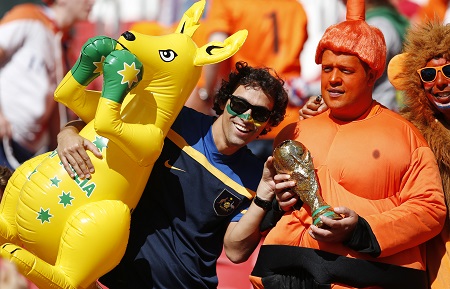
285, 197
336, 230
10, 278
314, 106
279, 184
72, 152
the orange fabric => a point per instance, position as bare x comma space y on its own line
438, 254
356, 10
433, 9
28, 11
384, 179
277, 33
256, 282
291, 116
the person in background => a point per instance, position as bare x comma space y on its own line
31, 66
277, 32
434, 10
383, 15
200, 186
374, 168
321, 14
409, 8
422, 72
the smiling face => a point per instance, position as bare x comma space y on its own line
347, 85
232, 131
438, 91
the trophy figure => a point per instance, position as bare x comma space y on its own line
293, 158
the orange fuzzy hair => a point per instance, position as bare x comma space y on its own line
354, 36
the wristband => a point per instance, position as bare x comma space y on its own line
265, 205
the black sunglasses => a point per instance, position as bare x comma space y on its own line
240, 105
429, 74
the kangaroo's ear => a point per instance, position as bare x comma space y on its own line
190, 20
215, 52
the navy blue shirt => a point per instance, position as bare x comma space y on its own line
193, 193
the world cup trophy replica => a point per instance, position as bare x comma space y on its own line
293, 158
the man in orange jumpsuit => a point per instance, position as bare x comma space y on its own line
374, 168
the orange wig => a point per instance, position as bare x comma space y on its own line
354, 36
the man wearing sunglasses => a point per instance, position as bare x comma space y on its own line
422, 71
374, 168
200, 186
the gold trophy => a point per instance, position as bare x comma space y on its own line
293, 158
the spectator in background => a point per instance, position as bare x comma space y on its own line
277, 32
434, 10
383, 15
321, 14
409, 8
31, 66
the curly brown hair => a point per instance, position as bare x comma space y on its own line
5, 174
262, 78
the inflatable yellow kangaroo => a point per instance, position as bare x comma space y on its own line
66, 233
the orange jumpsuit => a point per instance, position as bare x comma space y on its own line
381, 167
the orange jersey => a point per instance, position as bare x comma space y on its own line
382, 168
277, 33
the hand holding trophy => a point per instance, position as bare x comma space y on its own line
292, 157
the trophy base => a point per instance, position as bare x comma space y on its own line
324, 211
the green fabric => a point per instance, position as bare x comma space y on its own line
400, 22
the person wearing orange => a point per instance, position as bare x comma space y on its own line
422, 71
31, 66
373, 167
277, 32
434, 9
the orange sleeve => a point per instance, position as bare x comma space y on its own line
438, 259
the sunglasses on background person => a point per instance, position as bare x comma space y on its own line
240, 105
429, 74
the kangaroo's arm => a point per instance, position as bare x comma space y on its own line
141, 142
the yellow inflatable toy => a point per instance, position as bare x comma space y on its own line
66, 233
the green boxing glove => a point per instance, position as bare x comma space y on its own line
122, 71
89, 63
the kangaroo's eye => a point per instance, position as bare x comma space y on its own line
167, 55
